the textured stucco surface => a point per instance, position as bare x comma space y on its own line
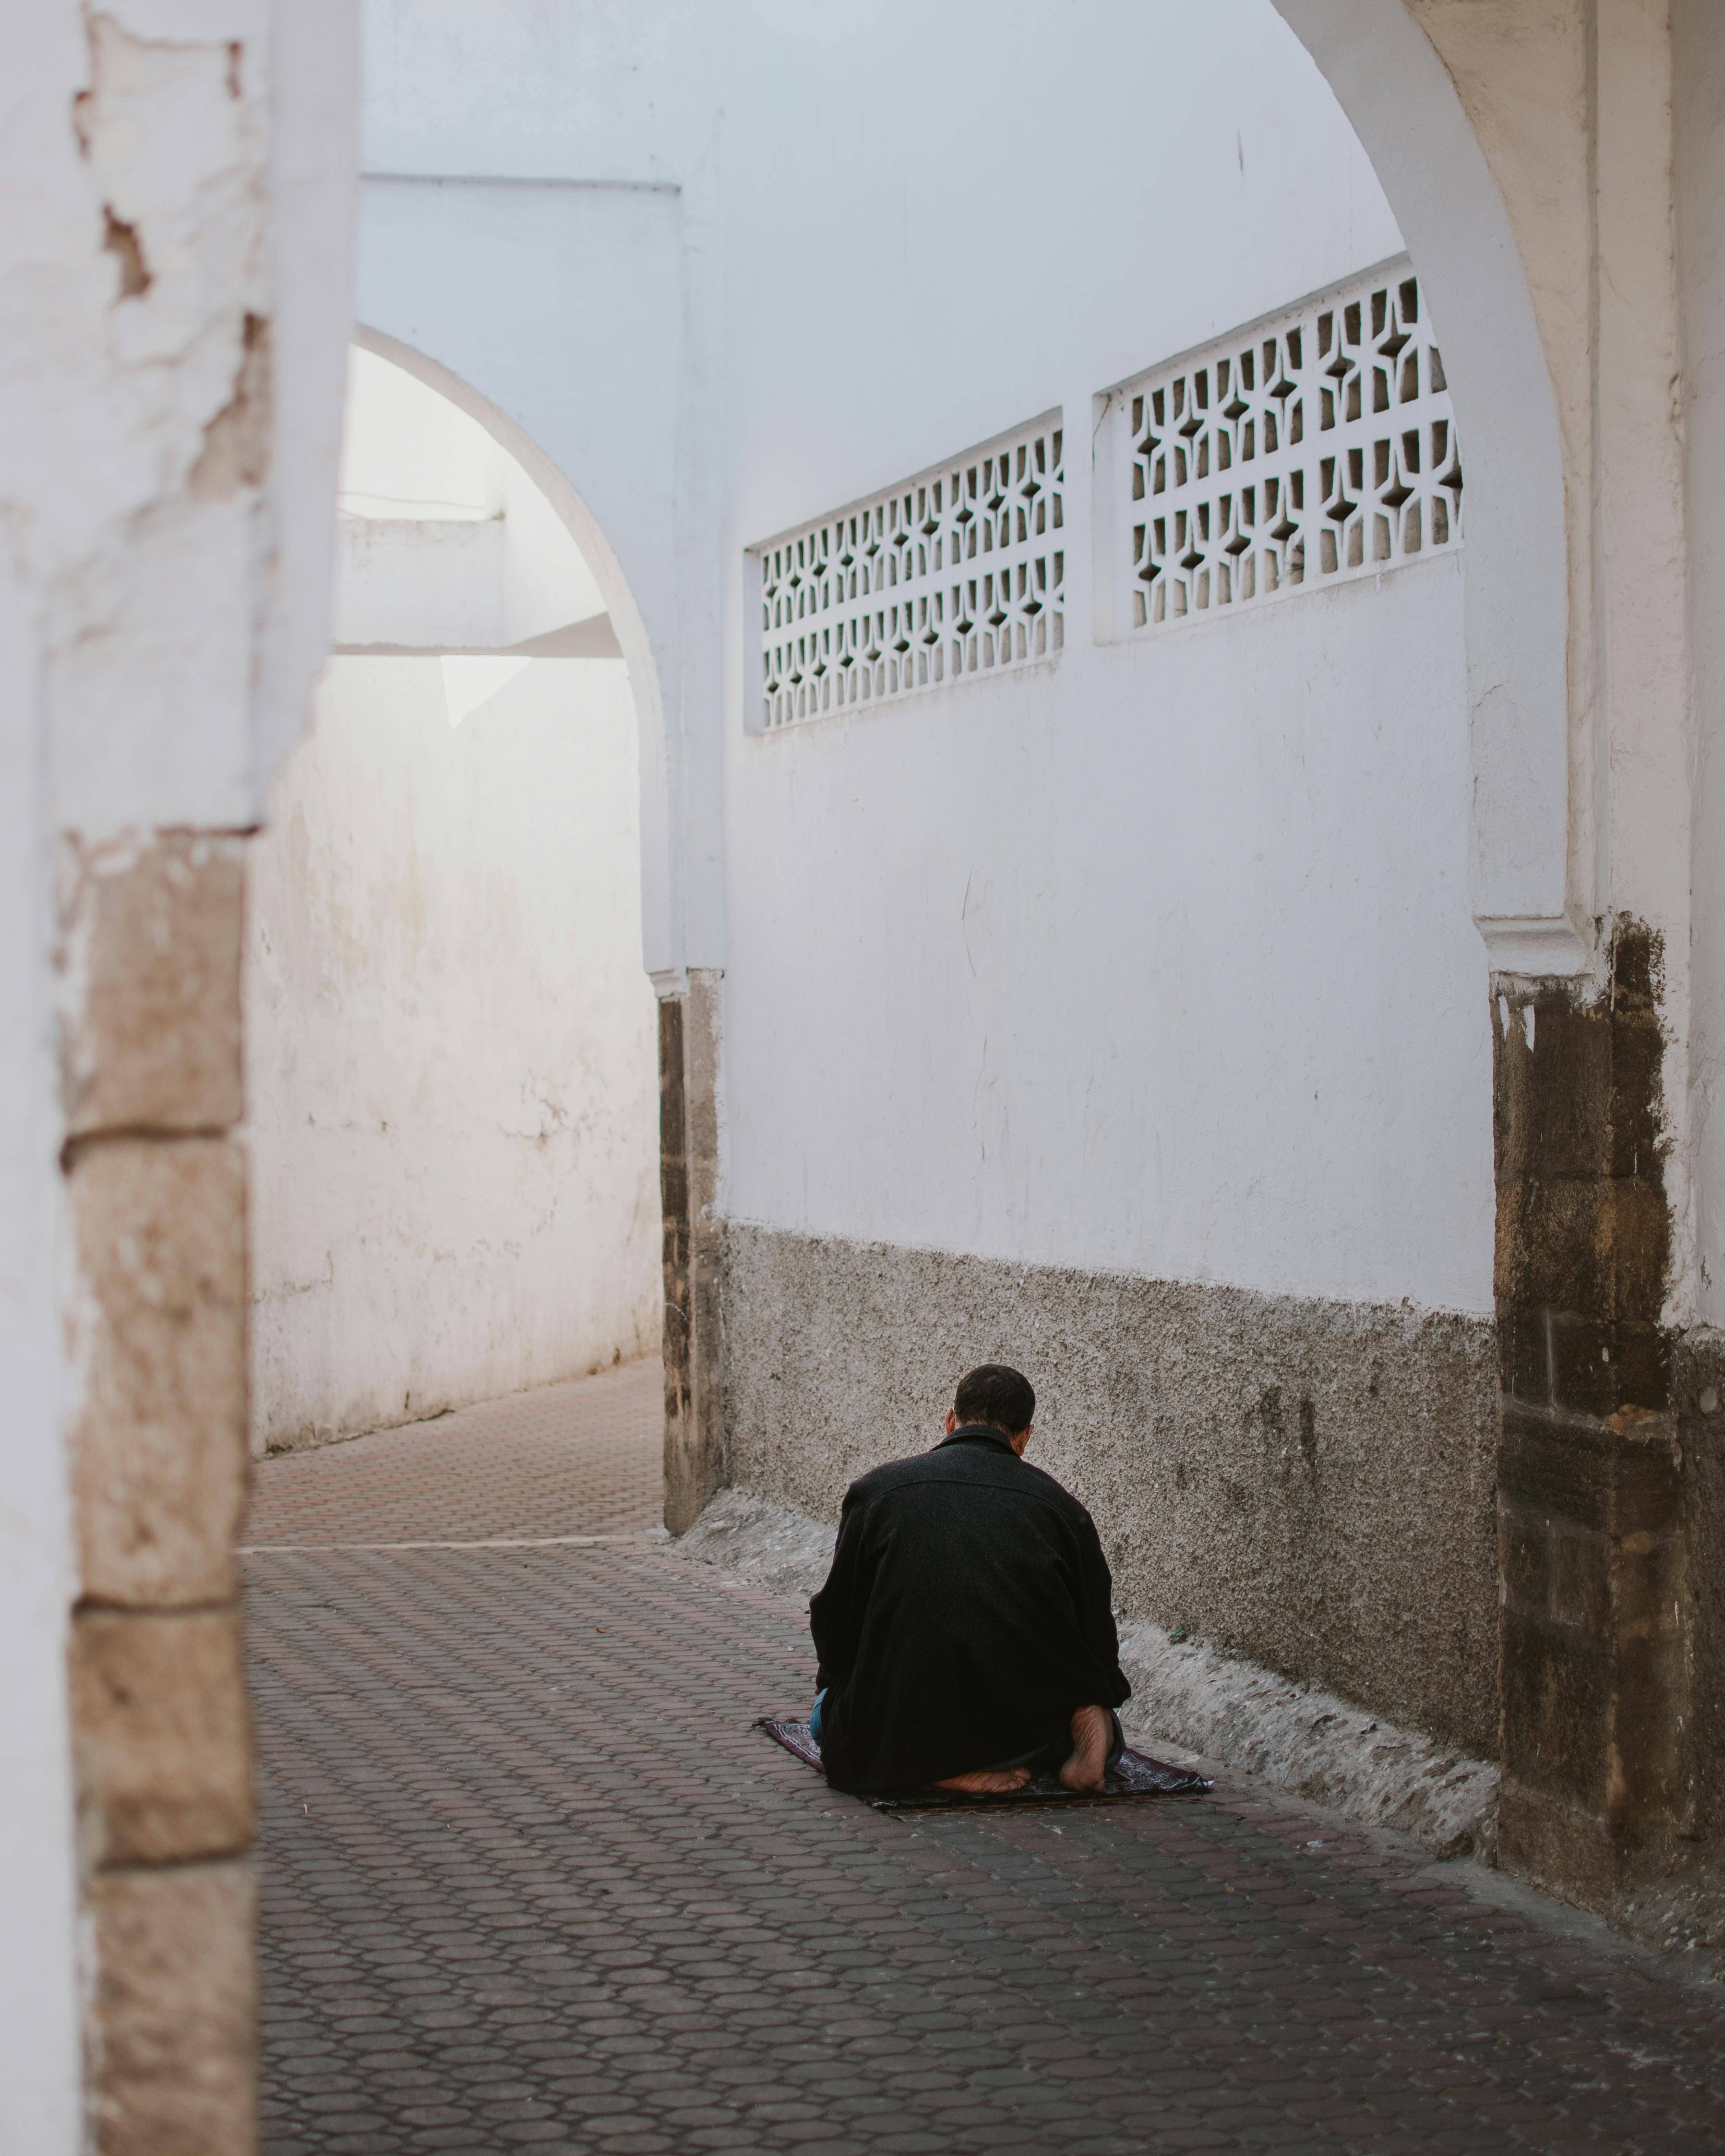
1306, 1482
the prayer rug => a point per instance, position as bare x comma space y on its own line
1136, 1775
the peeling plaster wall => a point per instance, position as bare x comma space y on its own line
177, 180
451, 1061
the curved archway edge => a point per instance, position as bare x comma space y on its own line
626, 619
1538, 160
1530, 883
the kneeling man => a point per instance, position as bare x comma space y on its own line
966, 1631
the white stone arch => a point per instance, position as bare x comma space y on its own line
563, 305
1531, 877
597, 550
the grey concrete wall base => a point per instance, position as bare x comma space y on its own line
1308, 1741
1309, 1484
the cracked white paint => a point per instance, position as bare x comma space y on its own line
176, 177
137, 564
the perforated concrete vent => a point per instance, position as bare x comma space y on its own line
955, 573
1313, 447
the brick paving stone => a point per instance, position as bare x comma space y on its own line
531, 1879
580, 1459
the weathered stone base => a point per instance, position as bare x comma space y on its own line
1596, 1519
688, 1179
1698, 1402
1594, 1587
1310, 1484
1668, 1889
155, 1188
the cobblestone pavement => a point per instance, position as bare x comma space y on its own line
531, 1881
581, 1459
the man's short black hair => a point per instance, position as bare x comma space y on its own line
1002, 1397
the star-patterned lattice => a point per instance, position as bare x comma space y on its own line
957, 573
1319, 447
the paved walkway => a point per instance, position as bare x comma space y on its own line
582, 1459
531, 1882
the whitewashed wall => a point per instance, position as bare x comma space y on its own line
451, 1076
1213, 1006
1160, 962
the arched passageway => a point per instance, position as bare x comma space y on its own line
1114, 1002
452, 1070
1531, 894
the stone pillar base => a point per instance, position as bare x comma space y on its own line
688, 1173
1595, 1621
155, 1194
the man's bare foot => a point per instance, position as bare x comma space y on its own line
1092, 1739
992, 1782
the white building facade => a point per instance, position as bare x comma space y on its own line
1252, 958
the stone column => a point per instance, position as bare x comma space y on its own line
1595, 1651
688, 1180
156, 1192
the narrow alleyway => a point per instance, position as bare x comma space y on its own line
529, 1880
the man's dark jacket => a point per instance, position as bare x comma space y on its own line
967, 1616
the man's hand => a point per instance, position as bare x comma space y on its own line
1092, 1739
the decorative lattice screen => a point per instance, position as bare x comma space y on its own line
1319, 446
956, 573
